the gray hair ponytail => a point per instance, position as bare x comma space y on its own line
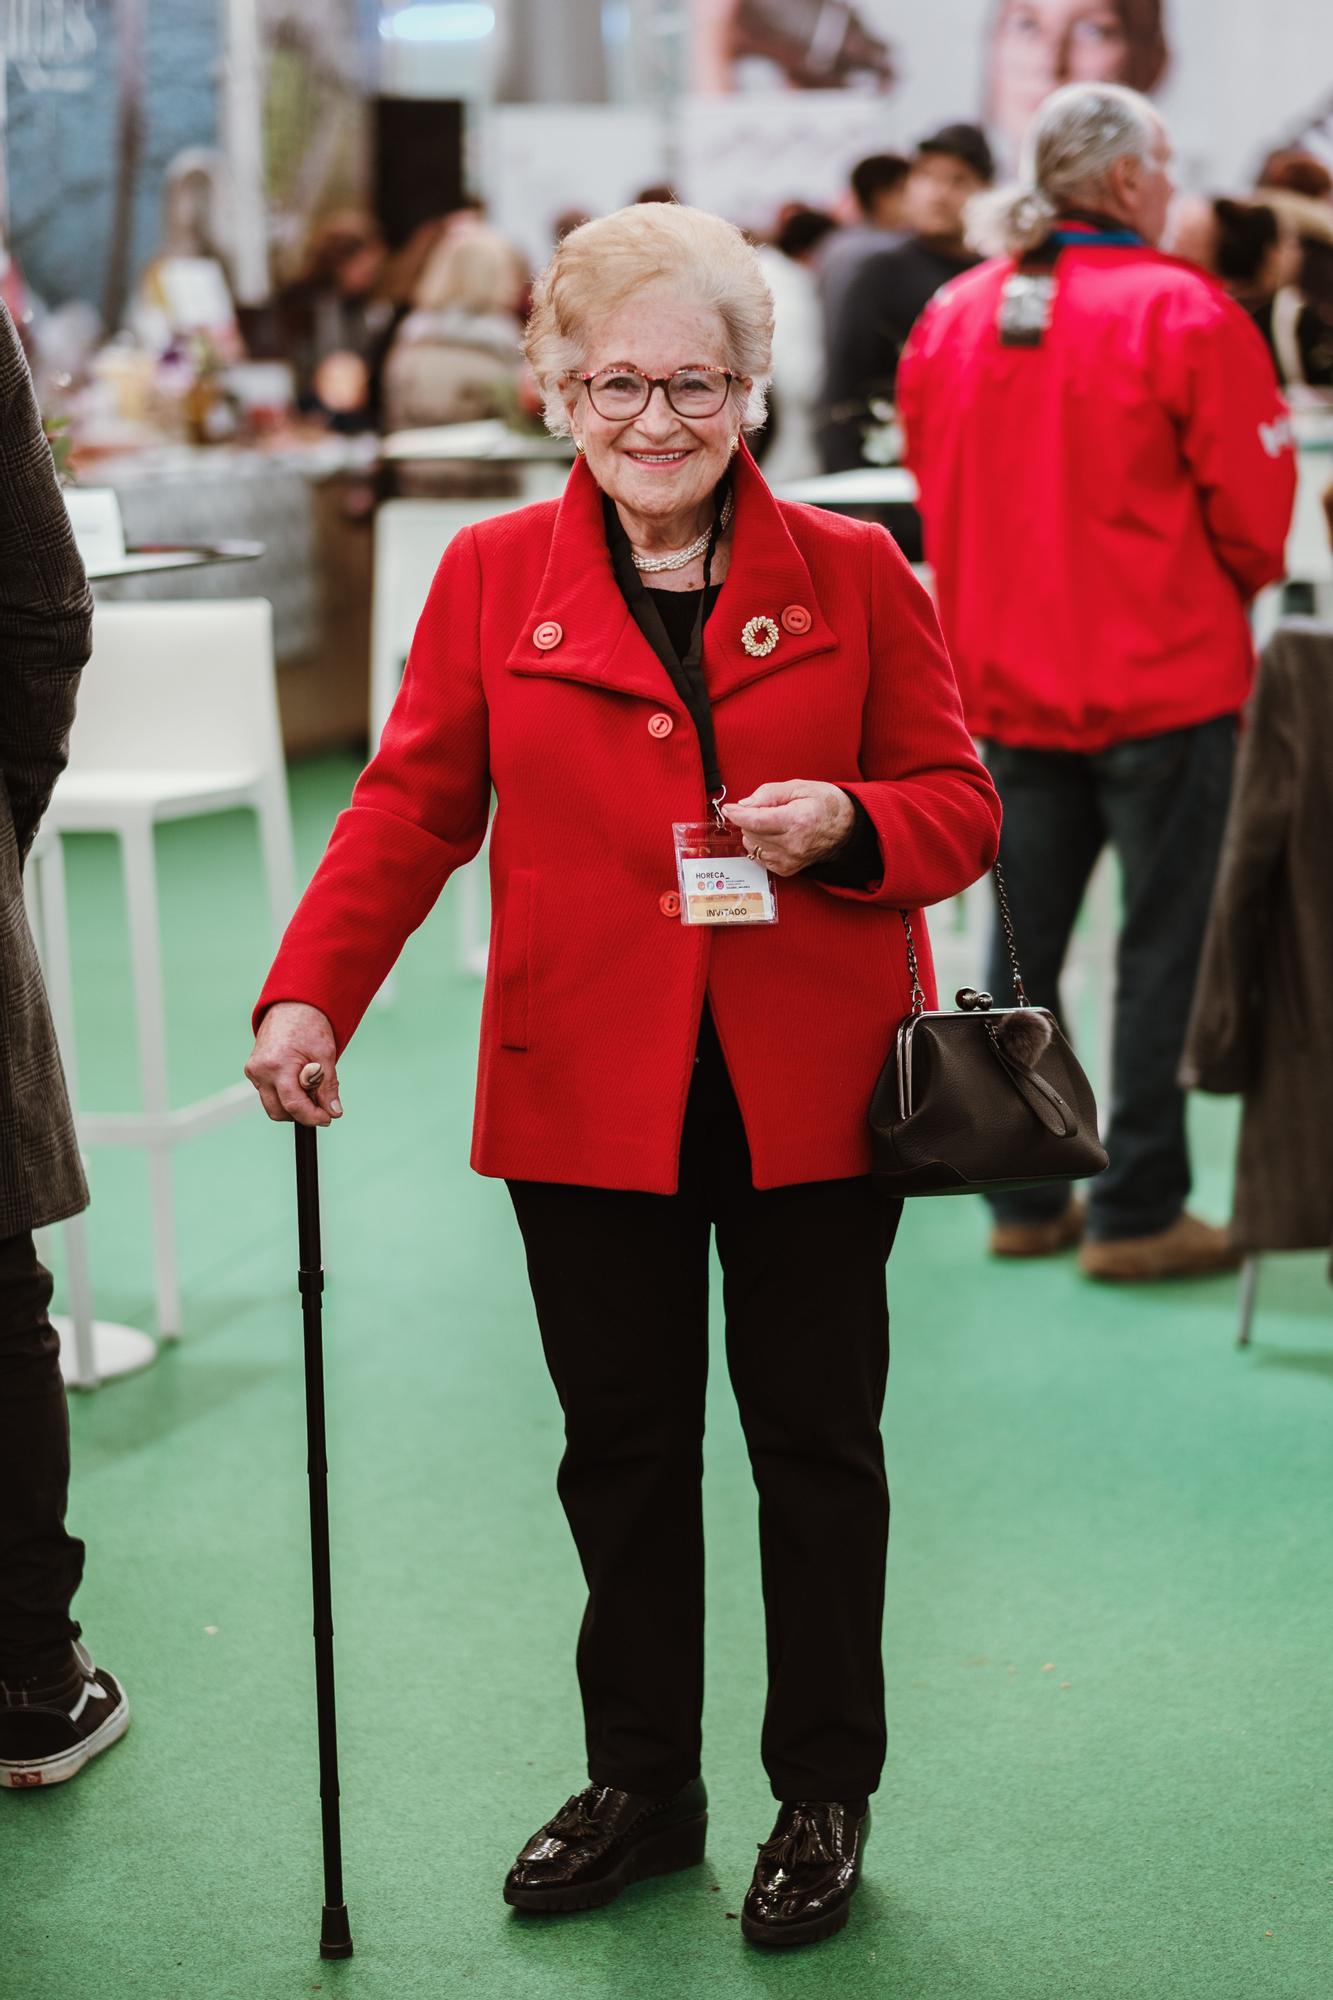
1077, 136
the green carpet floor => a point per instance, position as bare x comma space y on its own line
1110, 1605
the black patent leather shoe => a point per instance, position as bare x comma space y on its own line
806, 1874
601, 1840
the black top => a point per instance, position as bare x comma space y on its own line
667, 620
678, 609
879, 309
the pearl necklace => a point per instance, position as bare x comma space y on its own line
681, 558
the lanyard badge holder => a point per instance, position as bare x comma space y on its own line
719, 882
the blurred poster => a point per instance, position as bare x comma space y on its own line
1233, 78
544, 163
745, 157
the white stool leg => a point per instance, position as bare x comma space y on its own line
79, 1288
275, 845
47, 890
151, 1027
49, 906
473, 929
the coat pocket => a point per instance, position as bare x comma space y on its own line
515, 944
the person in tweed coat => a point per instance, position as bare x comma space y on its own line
56, 1708
1261, 1024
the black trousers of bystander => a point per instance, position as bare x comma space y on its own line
1162, 803
620, 1282
41, 1565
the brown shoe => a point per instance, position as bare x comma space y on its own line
1038, 1239
1188, 1249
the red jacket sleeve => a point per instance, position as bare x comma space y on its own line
419, 810
1216, 377
935, 809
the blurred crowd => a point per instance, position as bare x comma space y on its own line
365, 336
437, 325
861, 279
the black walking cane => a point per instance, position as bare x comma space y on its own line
335, 1936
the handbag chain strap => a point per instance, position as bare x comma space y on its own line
1010, 941
918, 991
1010, 945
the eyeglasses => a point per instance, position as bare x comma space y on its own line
621, 393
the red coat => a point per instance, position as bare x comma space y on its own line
528, 674
1099, 509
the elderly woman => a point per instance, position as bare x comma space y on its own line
679, 690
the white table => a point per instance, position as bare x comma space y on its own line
488, 441
542, 463
864, 486
152, 561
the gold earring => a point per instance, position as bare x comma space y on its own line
735, 445
578, 444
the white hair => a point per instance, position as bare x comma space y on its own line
602, 264
1076, 137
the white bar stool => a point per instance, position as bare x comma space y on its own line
410, 538
177, 717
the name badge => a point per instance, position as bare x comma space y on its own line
719, 882
1026, 305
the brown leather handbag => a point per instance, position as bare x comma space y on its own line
982, 1098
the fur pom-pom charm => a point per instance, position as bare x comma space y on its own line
1025, 1035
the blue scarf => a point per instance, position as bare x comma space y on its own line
1083, 236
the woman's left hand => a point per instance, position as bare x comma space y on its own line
791, 825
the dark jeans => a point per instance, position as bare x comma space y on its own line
620, 1282
1162, 802
40, 1565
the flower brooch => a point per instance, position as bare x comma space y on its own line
759, 637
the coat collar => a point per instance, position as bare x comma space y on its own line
599, 641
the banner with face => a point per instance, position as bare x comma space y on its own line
1232, 77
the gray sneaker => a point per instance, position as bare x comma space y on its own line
49, 1730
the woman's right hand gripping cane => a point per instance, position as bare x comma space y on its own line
293, 1064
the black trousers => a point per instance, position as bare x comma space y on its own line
620, 1282
40, 1564
1162, 801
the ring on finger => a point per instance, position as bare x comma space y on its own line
756, 852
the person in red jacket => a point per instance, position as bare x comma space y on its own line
658, 1057
1106, 479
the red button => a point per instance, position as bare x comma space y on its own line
660, 724
669, 904
547, 635
796, 619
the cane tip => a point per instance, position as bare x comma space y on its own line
335, 1940
312, 1076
